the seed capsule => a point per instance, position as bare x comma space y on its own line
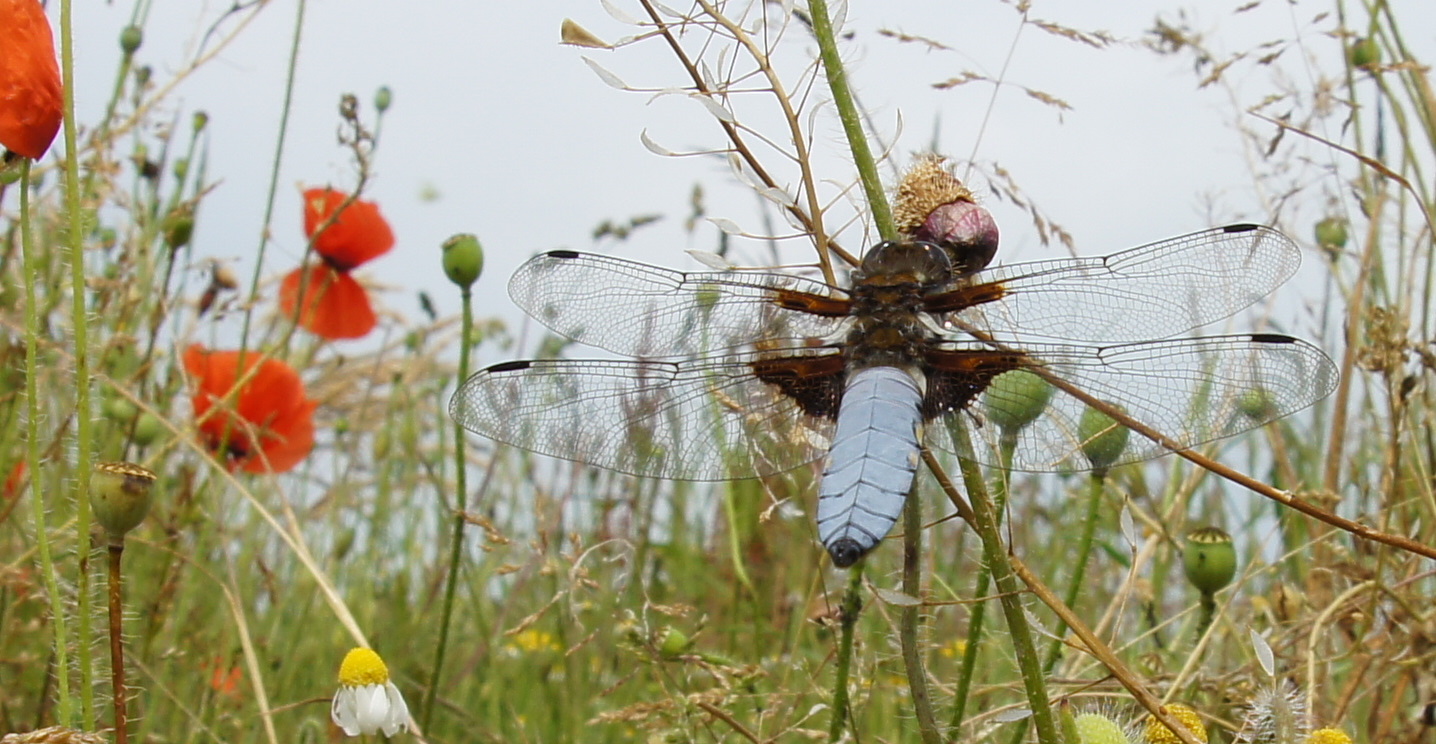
120, 495
1209, 560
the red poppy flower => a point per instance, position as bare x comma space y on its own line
335, 306
268, 426
359, 235
31, 104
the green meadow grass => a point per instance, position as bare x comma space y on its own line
592, 607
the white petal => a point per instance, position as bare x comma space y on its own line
341, 710
398, 711
373, 708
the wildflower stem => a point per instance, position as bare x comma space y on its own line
847, 620
910, 617
65, 714
456, 540
1096, 485
983, 517
852, 122
1023, 646
1208, 604
273, 181
79, 319
975, 621
117, 648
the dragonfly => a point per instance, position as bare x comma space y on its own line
742, 374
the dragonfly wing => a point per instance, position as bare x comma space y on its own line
639, 310
1192, 390
705, 420
1154, 291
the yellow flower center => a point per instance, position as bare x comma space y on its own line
362, 667
1328, 736
1159, 734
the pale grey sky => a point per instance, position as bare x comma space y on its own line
526, 147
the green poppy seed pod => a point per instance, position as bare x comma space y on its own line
1103, 439
1095, 728
674, 643
463, 259
1258, 405
120, 494
120, 409
130, 39
10, 174
1209, 559
199, 122
178, 227
1364, 53
1331, 233
181, 168
1016, 398
147, 429
382, 98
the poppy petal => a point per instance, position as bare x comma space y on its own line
335, 305
358, 235
31, 104
269, 426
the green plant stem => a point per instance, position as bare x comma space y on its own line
65, 712
117, 647
911, 615
847, 621
852, 121
977, 618
1207, 614
1096, 484
456, 539
274, 180
84, 427
1023, 647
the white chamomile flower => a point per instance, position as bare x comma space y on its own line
367, 702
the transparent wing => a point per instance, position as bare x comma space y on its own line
1192, 390
639, 310
1154, 291
708, 419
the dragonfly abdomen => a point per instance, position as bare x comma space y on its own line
871, 464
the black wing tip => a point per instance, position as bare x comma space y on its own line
845, 552
514, 366
563, 253
1273, 338
1242, 227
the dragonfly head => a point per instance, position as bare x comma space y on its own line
906, 262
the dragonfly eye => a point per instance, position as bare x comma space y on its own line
917, 262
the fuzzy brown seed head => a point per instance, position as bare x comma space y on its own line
927, 185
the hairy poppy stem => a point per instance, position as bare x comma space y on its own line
456, 539
911, 617
852, 123
117, 648
978, 615
847, 620
79, 320
65, 713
